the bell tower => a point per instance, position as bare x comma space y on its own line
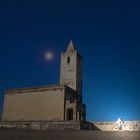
71, 69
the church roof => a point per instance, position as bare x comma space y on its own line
35, 89
71, 47
39, 89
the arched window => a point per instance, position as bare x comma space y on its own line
68, 60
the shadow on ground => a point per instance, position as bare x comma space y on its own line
18, 134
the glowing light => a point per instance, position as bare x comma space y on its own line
49, 56
120, 124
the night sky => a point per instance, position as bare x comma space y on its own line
106, 33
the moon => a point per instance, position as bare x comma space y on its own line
49, 56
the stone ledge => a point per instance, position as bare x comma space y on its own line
46, 125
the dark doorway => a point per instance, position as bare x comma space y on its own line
69, 114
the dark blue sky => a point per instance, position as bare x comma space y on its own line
106, 33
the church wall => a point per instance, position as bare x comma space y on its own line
40, 105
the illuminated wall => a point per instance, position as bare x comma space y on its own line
112, 126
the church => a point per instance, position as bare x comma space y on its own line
55, 102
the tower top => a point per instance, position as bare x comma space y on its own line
71, 47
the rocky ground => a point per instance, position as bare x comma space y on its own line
16, 134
